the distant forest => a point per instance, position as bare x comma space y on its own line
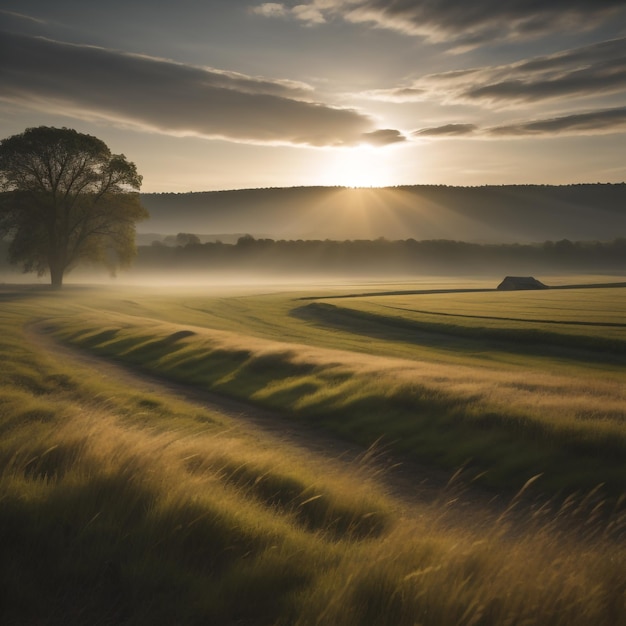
487, 214
382, 257
414, 230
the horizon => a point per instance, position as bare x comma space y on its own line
245, 94
480, 213
399, 186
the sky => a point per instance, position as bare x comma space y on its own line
229, 94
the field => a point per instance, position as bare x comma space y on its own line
330, 454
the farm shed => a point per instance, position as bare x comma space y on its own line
516, 283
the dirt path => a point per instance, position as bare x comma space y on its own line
412, 486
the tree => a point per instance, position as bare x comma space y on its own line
65, 200
185, 239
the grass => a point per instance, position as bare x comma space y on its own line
121, 506
501, 416
126, 505
580, 318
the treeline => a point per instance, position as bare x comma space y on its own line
506, 213
382, 256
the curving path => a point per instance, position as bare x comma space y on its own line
411, 486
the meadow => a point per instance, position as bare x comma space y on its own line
126, 501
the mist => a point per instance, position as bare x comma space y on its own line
252, 261
334, 235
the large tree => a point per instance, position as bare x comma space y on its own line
65, 200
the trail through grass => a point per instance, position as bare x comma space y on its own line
124, 504
570, 428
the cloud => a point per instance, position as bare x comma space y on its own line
5, 16
271, 9
308, 13
589, 71
466, 24
383, 137
396, 94
588, 123
597, 122
168, 97
448, 130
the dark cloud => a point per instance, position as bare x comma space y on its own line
448, 130
157, 94
587, 123
459, 22
593, 122
588, 71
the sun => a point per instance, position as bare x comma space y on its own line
361, 166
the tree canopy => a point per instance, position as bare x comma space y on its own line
67, 199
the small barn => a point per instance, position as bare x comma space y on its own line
518, 283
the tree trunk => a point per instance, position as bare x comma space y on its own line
56, 275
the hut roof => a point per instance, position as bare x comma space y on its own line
515, 283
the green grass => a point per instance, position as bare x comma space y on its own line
468, 395
584, 318
277, 314
125, 505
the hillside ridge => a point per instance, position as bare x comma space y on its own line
504, 213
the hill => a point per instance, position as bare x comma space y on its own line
504, 214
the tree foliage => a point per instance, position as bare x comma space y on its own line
67, 199
406, 257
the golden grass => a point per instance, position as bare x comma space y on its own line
123, 504
513, 422
570, 312
122, 514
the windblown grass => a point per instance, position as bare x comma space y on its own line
571, 429
123, 505
120, 506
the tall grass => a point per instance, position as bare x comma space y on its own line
570, 429
109, 517
125, 505
103, 523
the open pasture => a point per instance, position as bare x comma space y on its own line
509, 405
123, 503
590, 312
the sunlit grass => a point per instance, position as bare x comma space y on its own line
571, 428
578, 312
123, 504
277, 313
113, 524
118, 503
